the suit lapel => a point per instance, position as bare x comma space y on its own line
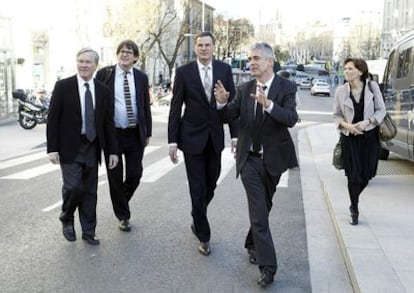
98, 101
74, 92
251, 102
200, 83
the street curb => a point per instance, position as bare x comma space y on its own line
345, 254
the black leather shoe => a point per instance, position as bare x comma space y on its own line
252, 256
354, 220
204, 248
354, 216
90, 239
124, 226
69, 231
193, 230
265, 279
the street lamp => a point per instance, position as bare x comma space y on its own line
202, 15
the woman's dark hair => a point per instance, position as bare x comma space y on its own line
360, 64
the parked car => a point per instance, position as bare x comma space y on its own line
298, 76
397, 90
320, 88
240, 77
305, 84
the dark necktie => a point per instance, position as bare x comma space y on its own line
128, 103
90, 131
257, 145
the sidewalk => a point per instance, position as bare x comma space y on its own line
378, 253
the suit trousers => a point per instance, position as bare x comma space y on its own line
260, 187
131, 152
203, 171
79, 190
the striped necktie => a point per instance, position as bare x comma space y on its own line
128, 102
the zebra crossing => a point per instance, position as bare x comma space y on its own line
152, 171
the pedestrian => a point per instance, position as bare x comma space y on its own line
264, 149
358, 110
133, 122
80, 124
199, 131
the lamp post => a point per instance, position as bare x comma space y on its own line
202, 15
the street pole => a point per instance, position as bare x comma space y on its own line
202, 16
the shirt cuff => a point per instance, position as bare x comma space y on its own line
270, 108
220, 105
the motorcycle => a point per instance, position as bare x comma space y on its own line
32, 110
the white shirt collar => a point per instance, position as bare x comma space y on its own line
267, 83
201, 66
120, 71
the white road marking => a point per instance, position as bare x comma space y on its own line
32, 172
53, 206
155, 171
148, 150
21, 160
227, 163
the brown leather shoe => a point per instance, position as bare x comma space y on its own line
204, 248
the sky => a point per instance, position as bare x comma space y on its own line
300, 11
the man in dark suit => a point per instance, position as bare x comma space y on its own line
265, 148
80, 125
199, 131
133, 122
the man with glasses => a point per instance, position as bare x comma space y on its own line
266, 108
133, 123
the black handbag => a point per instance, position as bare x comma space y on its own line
337, 159
387, 130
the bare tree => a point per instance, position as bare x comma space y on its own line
231, 35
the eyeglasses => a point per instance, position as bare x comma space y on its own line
126, 52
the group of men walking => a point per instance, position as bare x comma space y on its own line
116, 105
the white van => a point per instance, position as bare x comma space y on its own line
398, 91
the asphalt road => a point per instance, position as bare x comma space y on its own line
160, 254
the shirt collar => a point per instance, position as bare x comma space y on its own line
201, 66
120, 71
81, 81
267, 83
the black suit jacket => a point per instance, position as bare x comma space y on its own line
65, 120
200, 119
278, 149
144, 121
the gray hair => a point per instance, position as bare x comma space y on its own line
89, 50
265, 48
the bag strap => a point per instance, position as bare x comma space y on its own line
370, 86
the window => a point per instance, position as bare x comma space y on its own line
404, 63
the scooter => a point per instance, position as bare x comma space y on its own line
32, 110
